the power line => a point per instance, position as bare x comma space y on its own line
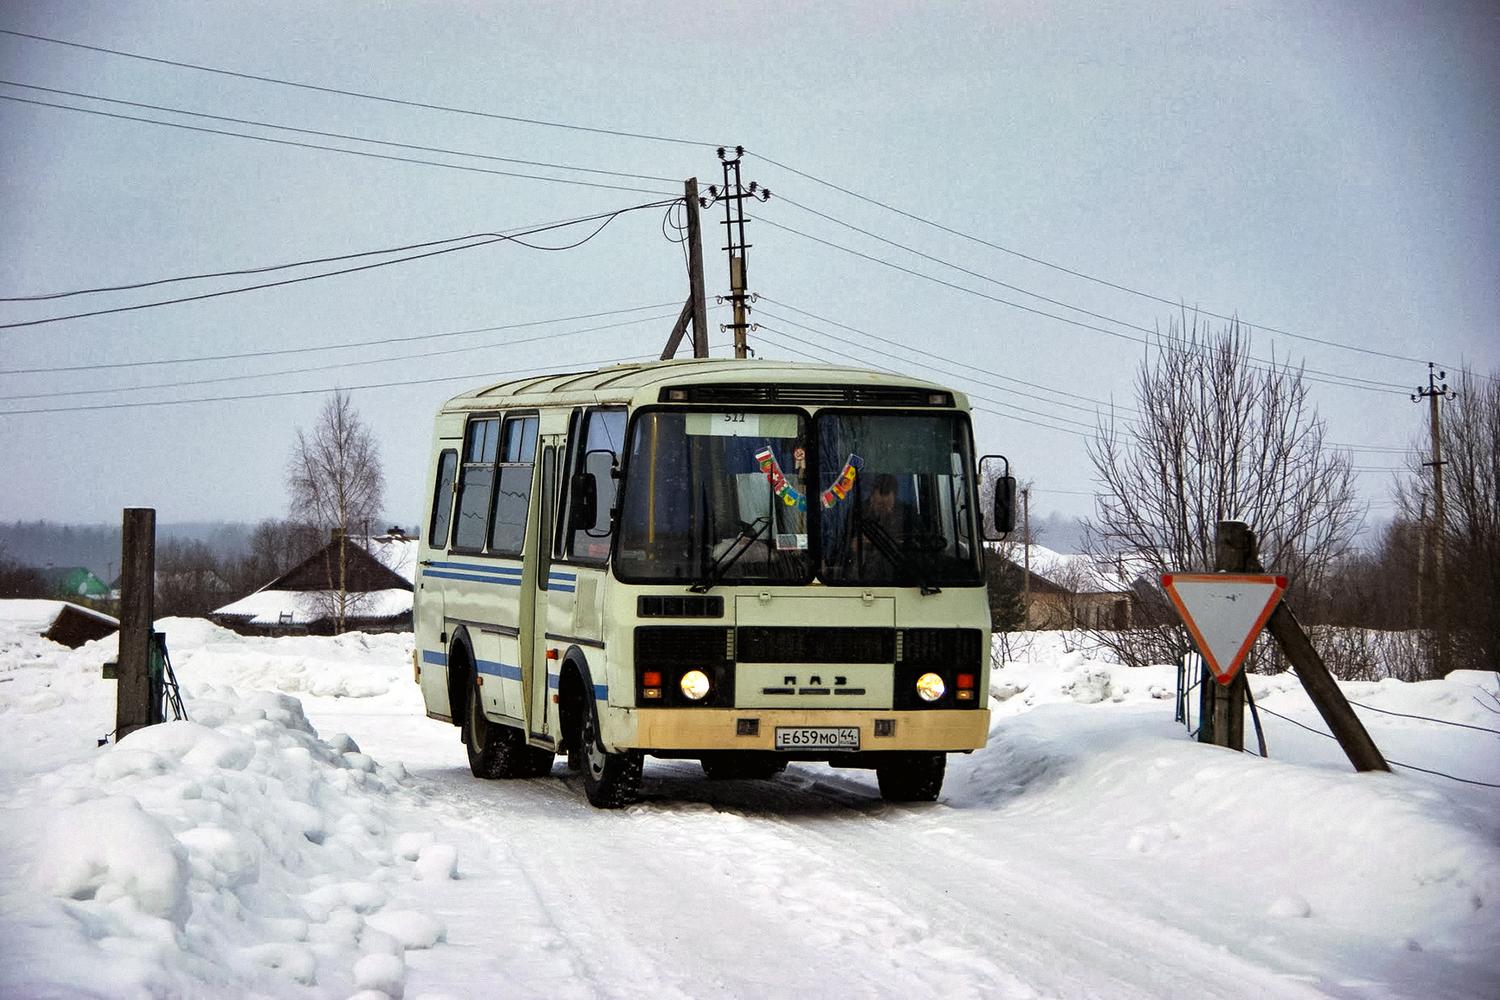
620, 133
331, 149
1308, 374
1346, 381
1113, 407
1081, 274
400, 384
341, 135
1396, 763
339, 364
895, 343
863, 362
608, 217
331, 347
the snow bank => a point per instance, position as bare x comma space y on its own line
236, 853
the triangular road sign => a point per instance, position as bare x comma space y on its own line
1224, 612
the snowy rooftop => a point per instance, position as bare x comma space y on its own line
1077, 572
304, 607
37, 615
399, 555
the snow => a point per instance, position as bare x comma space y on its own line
267, 607
309, 833
1080, 573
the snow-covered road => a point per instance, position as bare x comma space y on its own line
1089, 851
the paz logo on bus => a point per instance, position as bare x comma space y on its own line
1224, 612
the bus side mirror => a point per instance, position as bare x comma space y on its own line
1000, 514
1005, 504
583, 502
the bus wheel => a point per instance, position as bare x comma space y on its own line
912, 777
500, 751
744, 764
610, 780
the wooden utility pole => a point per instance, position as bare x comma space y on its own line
1235, 542
134, 706
695, 309
1436, 542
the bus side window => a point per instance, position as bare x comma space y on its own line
442, 500
513, 494
481, 444
595, 449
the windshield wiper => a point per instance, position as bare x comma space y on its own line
741, 544
901, 560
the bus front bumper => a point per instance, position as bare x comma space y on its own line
755, 729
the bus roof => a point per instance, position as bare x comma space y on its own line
641, 383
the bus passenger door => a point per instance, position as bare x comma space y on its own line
535, 584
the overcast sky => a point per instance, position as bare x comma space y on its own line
1328, 170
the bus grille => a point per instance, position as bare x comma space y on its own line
764, 644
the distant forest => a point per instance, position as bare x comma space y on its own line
97, 546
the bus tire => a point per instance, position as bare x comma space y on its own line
610, 780
748, 765
912, 777
500, 751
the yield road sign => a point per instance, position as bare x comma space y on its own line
1224, 612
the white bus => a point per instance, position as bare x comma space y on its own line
743, 563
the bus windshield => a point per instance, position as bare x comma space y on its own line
767, 496
716, 492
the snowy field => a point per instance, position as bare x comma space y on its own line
310, 834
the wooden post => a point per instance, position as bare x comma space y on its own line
1234, 546
697, 298
137, 614
695, 309
1311, 671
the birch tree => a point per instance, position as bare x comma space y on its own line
336, 483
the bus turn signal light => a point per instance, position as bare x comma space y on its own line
651, 679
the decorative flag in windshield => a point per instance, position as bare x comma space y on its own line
785, 490
845, 481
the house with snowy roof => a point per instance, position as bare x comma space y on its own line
379, 573
60, 621
1075, 591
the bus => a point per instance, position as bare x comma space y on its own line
739, 562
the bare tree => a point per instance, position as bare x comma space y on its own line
191, 579
1217, 437
336, 484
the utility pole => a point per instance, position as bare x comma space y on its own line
733, 196
1433, 392
695, 309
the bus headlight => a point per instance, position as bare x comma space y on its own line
695, 685
929, 687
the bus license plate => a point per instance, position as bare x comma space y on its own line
817, 737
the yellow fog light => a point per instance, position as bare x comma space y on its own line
694, 685
930, 687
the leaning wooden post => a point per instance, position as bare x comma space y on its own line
137, 614
1311, 671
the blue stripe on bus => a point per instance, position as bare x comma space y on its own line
508, 575
601, 692
430, 656
502, 670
